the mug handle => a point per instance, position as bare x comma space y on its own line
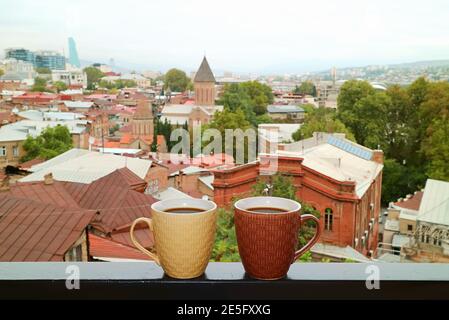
149, 222
314, 239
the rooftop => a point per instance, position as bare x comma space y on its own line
78, 104
337, 158
435, 203
412, 202
83, 166
104, 249
204, 73
26, 235
284, 109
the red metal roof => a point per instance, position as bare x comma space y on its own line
33, 231
141, 233
413, 203
116, 201
40, 222
100, 247
54, 193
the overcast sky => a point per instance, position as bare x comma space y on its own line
237, 35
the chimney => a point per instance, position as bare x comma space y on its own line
378, 156
48, 179
4, 184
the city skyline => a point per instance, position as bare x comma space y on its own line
295, 38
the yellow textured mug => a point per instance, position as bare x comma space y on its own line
184, 234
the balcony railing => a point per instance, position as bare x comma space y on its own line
135, 280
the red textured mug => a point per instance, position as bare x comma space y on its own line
267, 231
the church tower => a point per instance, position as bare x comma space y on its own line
204, 84
142, 122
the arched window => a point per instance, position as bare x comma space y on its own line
328, 219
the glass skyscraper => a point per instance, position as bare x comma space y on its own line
49, 59
40, 59
20, 54
73, 54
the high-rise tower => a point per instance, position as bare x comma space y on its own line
73, 54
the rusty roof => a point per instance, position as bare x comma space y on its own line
114, 197
40, 222
54, 193
34, 231
100, 247
412, 203
141, 233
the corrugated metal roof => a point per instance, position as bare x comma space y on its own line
112, 196
85, 166
435, 203
171, 193
284, 109
40, 222
190, 170
340, 165
342, 159
9, 134
100, 247
177, 109
180, 120
78, 104
68, 155
54, 193
338, 252
33, 231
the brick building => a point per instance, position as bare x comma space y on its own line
341, 179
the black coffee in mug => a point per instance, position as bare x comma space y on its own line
266, 210
183, 210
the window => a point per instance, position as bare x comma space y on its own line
409, 227
76, 253
328, 219
2, 151
15, 151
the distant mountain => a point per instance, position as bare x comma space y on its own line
422, 64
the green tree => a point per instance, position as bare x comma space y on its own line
50, 143
225, 248
2, 72
40, 85
164, 128
60, 86
176, 80
436, 148
252, 97
228, 119
93, 76
371, 112
117, 84
321, 120
43, 70
306, 88
399, 180
351, 93
400, 127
